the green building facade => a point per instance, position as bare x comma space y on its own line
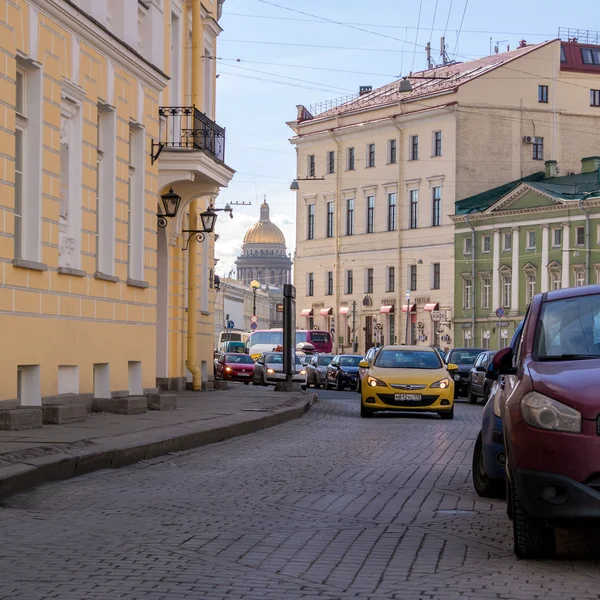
533, 235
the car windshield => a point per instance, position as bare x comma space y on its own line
277, 359
463, 357
323, 361
569, 329
408, 359
235, 359
350, 361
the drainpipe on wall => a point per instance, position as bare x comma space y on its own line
197, 100
398, 195
587, 239
336, 231
473, 295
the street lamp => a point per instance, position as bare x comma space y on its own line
408, 315
295, 186
254, 285
208, 218
170, 205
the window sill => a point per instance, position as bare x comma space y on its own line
70, 271
369, 166
137, 283
21, 263
436, 156
530, 249
105, 277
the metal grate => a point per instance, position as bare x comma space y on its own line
581, 36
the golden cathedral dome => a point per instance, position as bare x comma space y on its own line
264, 232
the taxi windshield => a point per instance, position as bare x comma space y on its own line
408, 359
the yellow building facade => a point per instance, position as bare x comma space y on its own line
87, 147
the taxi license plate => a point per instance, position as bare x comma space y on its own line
407, 397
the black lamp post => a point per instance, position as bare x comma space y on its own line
208, 218
254, 285
170, 206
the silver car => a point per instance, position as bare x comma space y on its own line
268, 370
316, 367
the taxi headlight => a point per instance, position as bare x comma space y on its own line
442, 384
374, 382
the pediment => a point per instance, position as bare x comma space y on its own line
523, 197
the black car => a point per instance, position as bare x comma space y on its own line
478, 385
343, 371
464, 358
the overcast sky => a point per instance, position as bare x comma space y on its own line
287, 58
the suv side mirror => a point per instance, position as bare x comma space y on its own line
503, 362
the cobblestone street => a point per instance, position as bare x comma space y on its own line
328, 506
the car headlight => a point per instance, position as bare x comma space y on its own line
228, 369
374, 382
302, 372
442, 384
270, 371
545, 413
457, 377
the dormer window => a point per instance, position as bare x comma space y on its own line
590, 56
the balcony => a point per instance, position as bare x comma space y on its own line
186, 128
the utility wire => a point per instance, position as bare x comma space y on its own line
433, 22
417, 36
448, 19
460, 28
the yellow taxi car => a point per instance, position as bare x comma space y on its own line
407, 378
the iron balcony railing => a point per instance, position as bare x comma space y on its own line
186, 128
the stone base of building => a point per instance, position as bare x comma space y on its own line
171, 384
132, 405
19, 419
66, 408
162, 401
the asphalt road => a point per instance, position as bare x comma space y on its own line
330, 506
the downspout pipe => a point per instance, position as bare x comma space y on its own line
337, 232
473, 295
399, 152
587, 238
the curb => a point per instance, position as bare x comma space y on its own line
128, 451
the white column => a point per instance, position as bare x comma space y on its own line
566, 255
514, 302
544, 265
496, 271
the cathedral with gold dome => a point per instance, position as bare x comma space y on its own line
264, 255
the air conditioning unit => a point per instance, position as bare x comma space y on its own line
527, 139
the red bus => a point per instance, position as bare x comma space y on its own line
321, 340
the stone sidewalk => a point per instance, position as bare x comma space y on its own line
104, 440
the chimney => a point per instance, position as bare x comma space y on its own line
590, 164
551, 169
365, 89
523, 44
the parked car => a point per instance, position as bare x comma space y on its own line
316, 368
234, 367
464, 359
268, 370
489, 457
362, 371
478, 385
408, 378
551, 417
343, 371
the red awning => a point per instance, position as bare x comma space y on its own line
387, 310
306, 312
432, 306
344, 310
413, 308
326, 312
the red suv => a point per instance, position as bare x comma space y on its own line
551, 417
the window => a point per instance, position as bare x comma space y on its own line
530, 240
413, 278
594, 97
137, 159
485, 292
331, 162
556, 238
437, 143
370, 155
538, 148
486, 244
506, 289
579, 278
329, 283
369, 282
555, 280
507, 243
392, 153
18, 214
330, 209
350, 159
436, 220
590, 56
413, 153
106, 189
370, 214
543, 93
468, 245
310, 235
391, 279
391, 212
350, 216
435, 276
349, 282
563, 54
580, 236
310, 286
530, 281
467, 292
414, 208
310, 169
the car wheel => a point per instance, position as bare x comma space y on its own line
508, 492
532, 537
485, 486
486, 393
246, 383
262, 380
471, 397
339, 386
448, 415
365, 413
254, 382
